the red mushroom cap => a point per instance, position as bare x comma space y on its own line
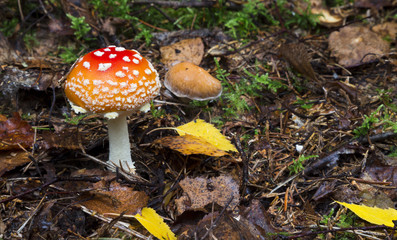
111, 80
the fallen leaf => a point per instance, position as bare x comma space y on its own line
200, 191
67, 138
155, 224
373, 215
387, 29
297, 56
258, 217
10, 160
188, 50
189, 144
114, 199
14, 133
208, 132
227, 228
356, 45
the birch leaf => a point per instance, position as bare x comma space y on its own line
155, 224
375, 215
200, 128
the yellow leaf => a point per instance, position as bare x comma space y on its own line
373, 215
155, 224
189, 144
208, 132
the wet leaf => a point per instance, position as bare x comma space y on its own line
10, 160
14, 132
226, 229
114, 199
188, 50
67, 138
155, 224
356, 45
373, 215
189, 144
200, 192
208, 132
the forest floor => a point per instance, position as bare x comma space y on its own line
308, 104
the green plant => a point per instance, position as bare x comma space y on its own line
250, 86
304, 104
380, 117
157, 112
367, 123
114, 8
30, 40
343, 221
69, 53
79, 25
7, 27
74, 120
297, 166
146, 35
393, 152
387, 99
241, 24
327, 218
263, 81
303, 18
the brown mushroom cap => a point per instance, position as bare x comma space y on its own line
111, 80
191, 81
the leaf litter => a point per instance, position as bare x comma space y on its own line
334, 85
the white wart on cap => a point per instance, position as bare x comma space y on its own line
191, 81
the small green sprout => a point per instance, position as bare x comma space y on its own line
79, 25
297, 166
74, 120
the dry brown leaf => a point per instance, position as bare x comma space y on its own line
66, 138
10, 160
355, 45
198, 192
14, 133
297, 55
115, 199
225, 229
188, 50
387, 29
188, 144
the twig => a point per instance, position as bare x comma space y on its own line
130, 177
152, 26
306, 234
20, 11
126, 227
163, 13
378, 137
217, 218
245, 179
44, 185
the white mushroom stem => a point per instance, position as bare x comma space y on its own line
119, 143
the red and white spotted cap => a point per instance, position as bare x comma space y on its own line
111, 80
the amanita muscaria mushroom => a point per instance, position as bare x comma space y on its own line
188, 80
114, 82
